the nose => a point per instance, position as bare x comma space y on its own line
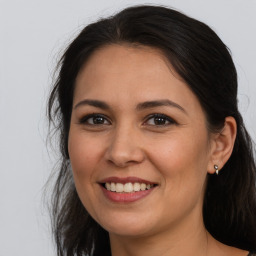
125, 148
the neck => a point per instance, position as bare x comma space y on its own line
188, 238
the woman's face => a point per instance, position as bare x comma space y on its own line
137, 129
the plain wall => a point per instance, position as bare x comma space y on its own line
32, 36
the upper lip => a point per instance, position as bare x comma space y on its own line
124, 180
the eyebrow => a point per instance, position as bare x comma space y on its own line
93, 103
140, 106
159, 103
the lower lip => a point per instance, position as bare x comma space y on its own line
126, 197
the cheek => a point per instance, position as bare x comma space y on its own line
182, 159
179, 151
84, 153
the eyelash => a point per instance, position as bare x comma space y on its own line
84, 120
160, 117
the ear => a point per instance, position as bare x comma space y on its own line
222, 145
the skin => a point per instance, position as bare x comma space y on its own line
176, 154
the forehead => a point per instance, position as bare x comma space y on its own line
131, 74
114, 59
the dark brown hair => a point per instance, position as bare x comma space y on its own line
204, 62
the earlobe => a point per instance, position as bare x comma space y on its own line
223, 146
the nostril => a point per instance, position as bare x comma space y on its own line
124, 153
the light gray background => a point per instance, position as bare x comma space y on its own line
32, 34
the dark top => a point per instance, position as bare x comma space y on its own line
251, 254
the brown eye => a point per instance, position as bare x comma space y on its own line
95, 119
159, 120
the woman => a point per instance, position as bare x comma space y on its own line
155, 156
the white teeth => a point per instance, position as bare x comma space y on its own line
108, 186
113, 187
127, 187
143, 186
136, 186
119, 187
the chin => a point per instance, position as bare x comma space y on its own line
127, 227
129, 232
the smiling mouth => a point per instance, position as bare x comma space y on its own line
128, 187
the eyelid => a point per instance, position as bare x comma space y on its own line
169, 119
85, 118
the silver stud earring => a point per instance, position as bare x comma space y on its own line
216, 169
